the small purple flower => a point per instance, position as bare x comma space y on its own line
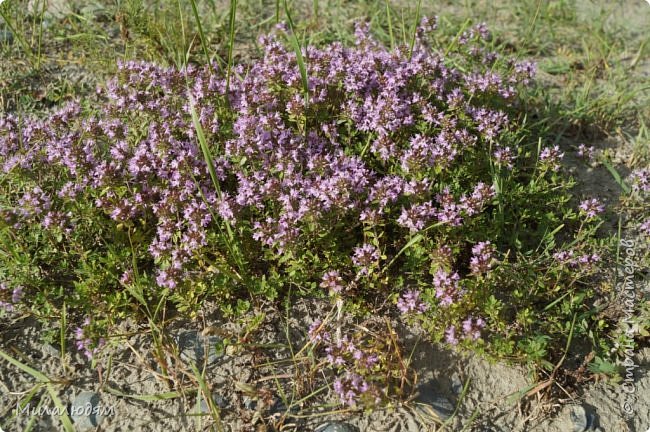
640, 180
591, 207
85, 344
504, 157
449, 212
474, 203
644, 228
450, 335
333, 282
17, 295
551, 157
352, 387
564, 257
410, 301
365, 256
585, 152
336, 352
316, 332
446, 285
127, 278
416, 217
481, 261
586, 260
472, 327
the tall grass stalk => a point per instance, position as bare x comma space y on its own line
415, 28
204, 45
231, 41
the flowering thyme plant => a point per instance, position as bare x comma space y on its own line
403, 179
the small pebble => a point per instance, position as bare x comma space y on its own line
335, 427
86, 411
197, 348
219, 401
250, 403
456, 384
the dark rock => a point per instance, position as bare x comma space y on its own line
432, 403
250, 403
438, 407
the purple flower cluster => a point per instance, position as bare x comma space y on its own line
377, 150
84, 343
504, 157
551, 157
14, 295
353, 387
471, 330
365, 257
333, 282
644, 228
345, 352
572, 260
355, 361
591, 208
640, 180
410, 302
452, 212
586, 152
482, 257
446, 286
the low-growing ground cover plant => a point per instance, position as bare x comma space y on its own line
405, 180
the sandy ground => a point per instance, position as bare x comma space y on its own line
492, 402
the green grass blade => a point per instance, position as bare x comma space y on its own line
65, 419
204, 46
207, 395
415, 27
390, 27
21, 39
616, 175
207, 155
146, 398
299, 57
231, 41
40, 377
415, 239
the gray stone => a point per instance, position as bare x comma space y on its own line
249, 403
335, 427
219, 401
51, 350
197, 348
456, 384
86, 411
579, 419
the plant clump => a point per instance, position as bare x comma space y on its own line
405, 179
